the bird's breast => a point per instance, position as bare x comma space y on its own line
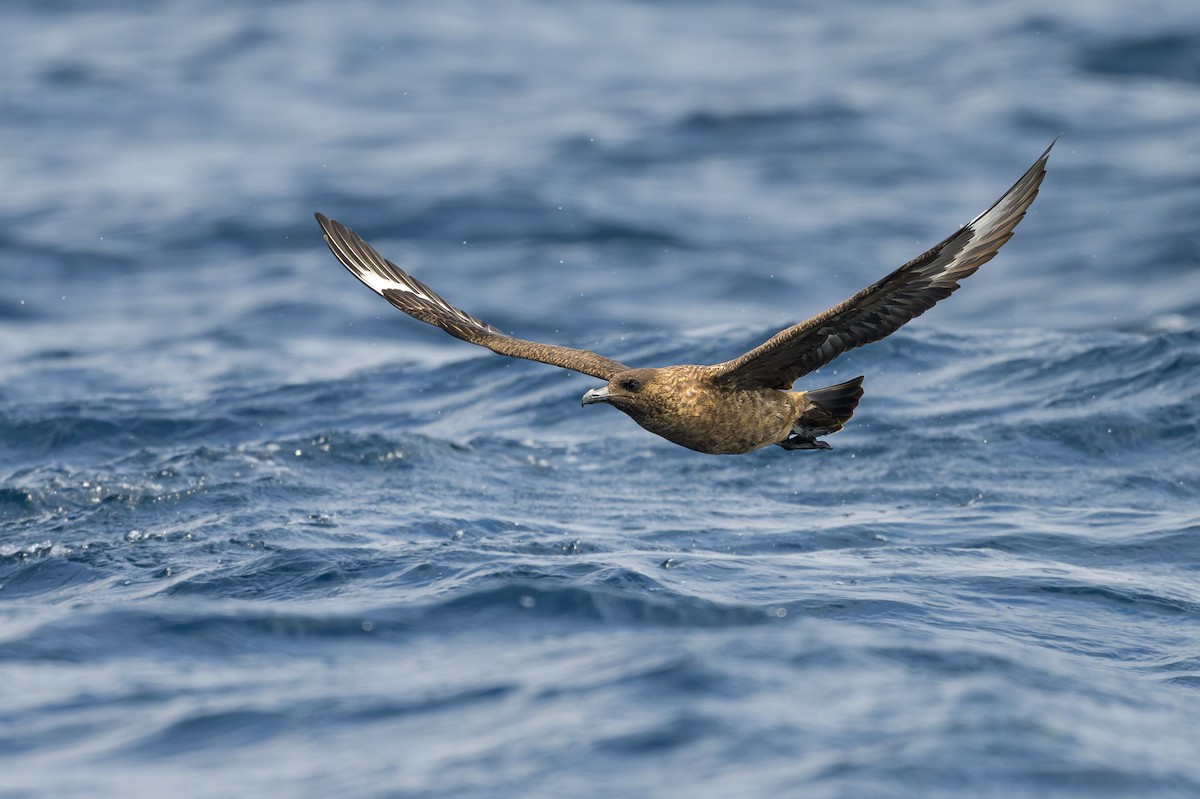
721, 421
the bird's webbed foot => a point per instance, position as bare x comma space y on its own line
798, 442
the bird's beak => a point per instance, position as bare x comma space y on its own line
596, 395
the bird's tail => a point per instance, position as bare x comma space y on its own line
828, 409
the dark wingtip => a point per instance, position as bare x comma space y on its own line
1046, 154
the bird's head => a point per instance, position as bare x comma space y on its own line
635, 391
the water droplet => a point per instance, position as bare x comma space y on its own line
527, 601
781, 612
367, 626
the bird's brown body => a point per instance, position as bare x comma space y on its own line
687, 405
745, 403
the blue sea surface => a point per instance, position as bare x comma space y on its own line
263, 535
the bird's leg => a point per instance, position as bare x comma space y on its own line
798, 442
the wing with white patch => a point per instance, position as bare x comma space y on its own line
880, 309
421, 302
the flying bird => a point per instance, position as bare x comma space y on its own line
744, 404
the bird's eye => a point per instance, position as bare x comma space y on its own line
631, 385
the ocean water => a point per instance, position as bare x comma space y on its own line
262, 535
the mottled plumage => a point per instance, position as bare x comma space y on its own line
743, 404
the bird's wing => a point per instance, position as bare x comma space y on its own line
421, 302
880, 309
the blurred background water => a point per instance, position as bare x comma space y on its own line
261, 535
